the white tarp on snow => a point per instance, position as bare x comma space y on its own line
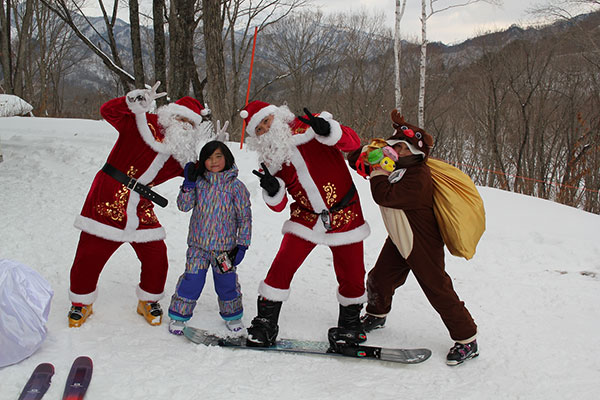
11, 106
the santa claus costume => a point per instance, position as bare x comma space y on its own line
115, 213
308, 164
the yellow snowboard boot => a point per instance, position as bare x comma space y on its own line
151, 311
78, 314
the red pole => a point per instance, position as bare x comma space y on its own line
249, 81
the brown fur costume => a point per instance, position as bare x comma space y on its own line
414, 242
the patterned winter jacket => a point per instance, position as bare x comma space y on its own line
222, 217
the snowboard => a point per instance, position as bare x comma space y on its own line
38, 382
79, 378
403, 356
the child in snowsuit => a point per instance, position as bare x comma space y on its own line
415, 244
221, 223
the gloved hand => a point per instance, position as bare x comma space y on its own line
267, 181
222, 134
318, 124
190, 174
140, 100
237, 254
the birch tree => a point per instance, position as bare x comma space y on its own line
400, 7
426, 13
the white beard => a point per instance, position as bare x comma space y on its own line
184, 142
275, 147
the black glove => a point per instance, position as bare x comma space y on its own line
319, 125
267, 181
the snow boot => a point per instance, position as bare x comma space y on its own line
151, 311
78, 314
234, 325
176, 327
264, 329
350, 325
370, 322
460, 353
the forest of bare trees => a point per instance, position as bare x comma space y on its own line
519, 114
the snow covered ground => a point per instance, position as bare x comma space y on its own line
533, 288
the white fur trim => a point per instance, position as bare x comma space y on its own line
273, 294
336, 130
307, 182
259, 116
142, 124
108, 232
177, 109
304, 137
318, 234
348, 301
145, 296
278, 197
83, 298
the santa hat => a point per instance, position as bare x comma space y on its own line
187, 107
418, 141
254, 113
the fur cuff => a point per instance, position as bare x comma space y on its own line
275, 200
145, 296
336, 130
83, 298
273, 294
348, 301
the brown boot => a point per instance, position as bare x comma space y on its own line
78, 314
151, 311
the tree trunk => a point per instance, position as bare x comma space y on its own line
422, 65
160, 66
398, 54
181, 35
136, 44
215, 62
5, 49
24, 38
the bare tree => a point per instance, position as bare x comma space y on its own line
426, 13
136, 43
400, 7
64, 9
160, 65
215, 60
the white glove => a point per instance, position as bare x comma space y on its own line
222, 134
140, 100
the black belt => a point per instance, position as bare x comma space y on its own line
133, 184
343, 203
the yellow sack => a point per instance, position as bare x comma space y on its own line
458, 208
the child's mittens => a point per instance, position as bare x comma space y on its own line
189, 177
237, 255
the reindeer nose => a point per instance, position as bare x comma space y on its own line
408, 132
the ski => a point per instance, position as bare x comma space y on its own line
403, 356
79, 378
38, 382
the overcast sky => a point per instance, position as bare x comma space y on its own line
450, 26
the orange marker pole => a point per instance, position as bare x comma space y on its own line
249, 81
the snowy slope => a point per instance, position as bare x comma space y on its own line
533, 288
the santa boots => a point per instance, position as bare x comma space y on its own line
264, 329
151, 311
78, 314
350, 328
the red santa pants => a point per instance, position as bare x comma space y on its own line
347, 263
93, 252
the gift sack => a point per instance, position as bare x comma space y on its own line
458, 208
24, 307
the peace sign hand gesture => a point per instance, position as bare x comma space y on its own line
267, 181
140, 100
318, 124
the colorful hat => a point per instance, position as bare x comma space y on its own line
418, 141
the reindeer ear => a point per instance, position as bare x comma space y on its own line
396, 117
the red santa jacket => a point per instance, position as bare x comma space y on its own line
317, 178
112, 211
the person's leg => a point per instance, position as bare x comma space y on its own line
190, 285
90, 258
